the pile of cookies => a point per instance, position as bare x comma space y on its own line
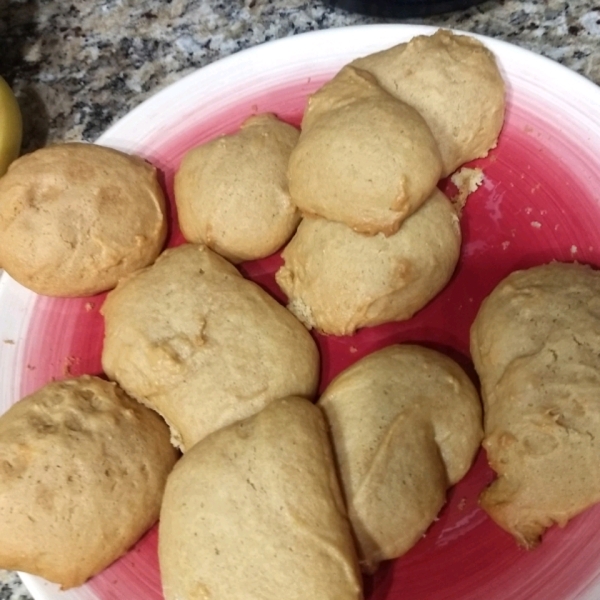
275, 495
374, 143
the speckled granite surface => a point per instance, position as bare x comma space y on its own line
11, 587
79, 66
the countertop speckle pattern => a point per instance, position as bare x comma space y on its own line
11, 587
78, 66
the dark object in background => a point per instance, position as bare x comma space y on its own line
402, 8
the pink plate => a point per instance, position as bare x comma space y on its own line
539, 201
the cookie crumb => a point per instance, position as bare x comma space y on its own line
466, 181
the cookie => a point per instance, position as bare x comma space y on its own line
455, 84
255, 511
406, 424
364, 158
338, 281
82, 472
75, 218
536, 347
193, 339
232, 192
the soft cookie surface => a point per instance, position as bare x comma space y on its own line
454, 82
536, 347
255, 511
75, 218
338, 280
82, 473
203, 346
232, 192
364, 158
406, 424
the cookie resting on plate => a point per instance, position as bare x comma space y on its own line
536, 347
75, 218
82, 473
406, 425
255, 511
193, 339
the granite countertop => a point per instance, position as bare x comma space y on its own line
78, 66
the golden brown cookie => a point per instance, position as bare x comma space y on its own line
82, 473
203, 346
536, 347
338, 281
364, 158
232, 192
454, 82
75, 218
255, 511
406, 424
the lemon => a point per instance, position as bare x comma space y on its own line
11, 127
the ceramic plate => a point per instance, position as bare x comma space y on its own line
540, 201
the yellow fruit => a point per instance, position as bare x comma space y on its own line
11, 127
